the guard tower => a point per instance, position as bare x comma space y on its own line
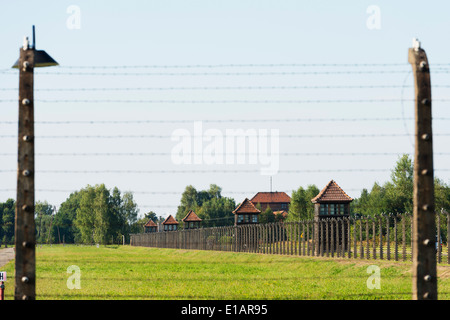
331, 202
150, 226
246, 213
191, 220
170, 224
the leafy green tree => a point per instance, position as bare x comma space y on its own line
129, 208
188, 202
359, 205
66, 216
102, 215
128, 214
373, 203
202, 197
298, 206
117, 219
1, 224
209, 205
301, 207
396, 195
393, 196
267, 215
44, 222
85, 219
8, 217
441, 195
399, 192
217, 212
215, 191
279, 217
151, 215
138, 225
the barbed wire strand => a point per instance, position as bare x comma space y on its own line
225, 74
118, 171
165, 121
290, 136
151, 154
204, 88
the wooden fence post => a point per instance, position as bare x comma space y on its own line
349, 240
355, 239
277, 237
367, 239
412, 238
238, 238
374, 239
320, 239
424, 256
313, 236
388, 238
307, 236
395, 239
404, 236
25, 241
380, 226
448, 234
336, 236
292, 238
361, 247
326, 237
331, 222
438, 240
343, 233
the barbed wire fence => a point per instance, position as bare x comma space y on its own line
76, 129
244, 71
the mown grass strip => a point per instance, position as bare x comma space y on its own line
137, 273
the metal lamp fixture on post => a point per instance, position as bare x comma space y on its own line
25, 241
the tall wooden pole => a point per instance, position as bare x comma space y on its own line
25, 241
424, 226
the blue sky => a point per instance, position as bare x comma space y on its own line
287, 34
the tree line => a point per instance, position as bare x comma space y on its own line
96, 214
93, 214
209, 205
394, 196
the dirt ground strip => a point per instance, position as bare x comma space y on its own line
6, 255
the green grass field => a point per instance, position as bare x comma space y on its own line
124, 272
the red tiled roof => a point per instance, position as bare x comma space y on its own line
170, 220
150, 223
246, 207
284, 213
331, 193
191, 216
270, 197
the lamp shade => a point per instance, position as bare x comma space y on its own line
41, 59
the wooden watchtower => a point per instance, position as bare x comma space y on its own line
246, 213
331, 204
191, 220
170, 224
150, 226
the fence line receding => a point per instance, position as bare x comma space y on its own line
385, 237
